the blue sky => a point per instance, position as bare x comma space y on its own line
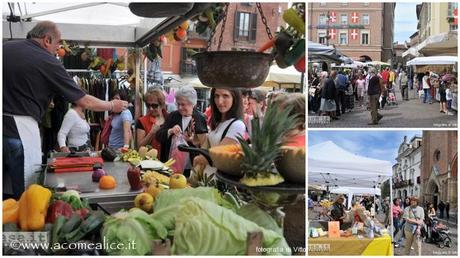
405, 21
372, 144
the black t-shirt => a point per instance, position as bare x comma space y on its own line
31, 77
374, 86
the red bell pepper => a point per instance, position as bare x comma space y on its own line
59, 208
300, 65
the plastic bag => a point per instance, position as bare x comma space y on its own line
179, 156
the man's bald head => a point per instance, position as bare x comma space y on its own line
47, 34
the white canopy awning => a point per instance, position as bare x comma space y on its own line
357, 191
441, 44
434, 60
280, 76
328, 164
411, 52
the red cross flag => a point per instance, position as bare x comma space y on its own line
354, 17
456, 16
354, 34
332, 33
333, 17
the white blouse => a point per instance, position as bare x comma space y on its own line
238, 128
75, 129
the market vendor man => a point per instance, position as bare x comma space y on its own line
338, 210
31, 77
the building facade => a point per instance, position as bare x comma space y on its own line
244, 30
406, 172
436, 18
439, 168
361, 31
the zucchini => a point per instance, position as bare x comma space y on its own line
57, 226
72, 224
92, 223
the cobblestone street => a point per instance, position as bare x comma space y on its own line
409, 114
433, 249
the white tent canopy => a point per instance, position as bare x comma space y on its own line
434, 60
328, 164
411, 52
357, 191
287, 75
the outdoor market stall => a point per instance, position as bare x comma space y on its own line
441, 65
128, 195
343, 172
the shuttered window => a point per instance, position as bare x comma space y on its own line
245, 26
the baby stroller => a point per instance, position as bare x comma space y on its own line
392, 97
439, 234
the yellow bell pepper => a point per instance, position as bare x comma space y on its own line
10, 210
33, 206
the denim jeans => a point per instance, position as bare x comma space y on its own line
426, 95
13, 164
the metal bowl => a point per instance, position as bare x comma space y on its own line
232, 69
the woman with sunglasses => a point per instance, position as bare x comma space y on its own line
147, 126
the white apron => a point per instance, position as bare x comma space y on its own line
31, 143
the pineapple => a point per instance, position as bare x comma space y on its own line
265, 148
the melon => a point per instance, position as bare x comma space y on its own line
291, 164
227, 158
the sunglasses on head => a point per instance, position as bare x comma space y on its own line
153, 105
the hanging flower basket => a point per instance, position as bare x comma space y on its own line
224, 69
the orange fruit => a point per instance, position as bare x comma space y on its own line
61, 52
107, 182
181, 33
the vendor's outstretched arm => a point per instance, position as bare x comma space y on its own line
95, 104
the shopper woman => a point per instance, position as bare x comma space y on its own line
226, 120
147, 126
74, 132
186, 121
120, 135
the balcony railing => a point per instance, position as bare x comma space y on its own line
400, 184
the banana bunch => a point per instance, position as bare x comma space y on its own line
130, 155
170, 162
151, 177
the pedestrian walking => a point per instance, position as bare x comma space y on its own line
414, 216
341, 86
396, 212
404, 87
360, 86
426, 85
328, 97
374, 91
441, 208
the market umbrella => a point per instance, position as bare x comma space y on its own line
448, 77
285, 78
321, 52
